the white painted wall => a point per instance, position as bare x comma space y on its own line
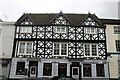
111, 37
8, 30
111, 47
6, 44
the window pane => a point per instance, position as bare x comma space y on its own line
47, 71
62, 69
94, 50
22, 48
100, 70
63, 49
87, 50
87, 70
75, 71
118, 45
92, 30
20, 68
88, 30
117, 29
56, 49
29, 48
58, 29
29, 29
62, 29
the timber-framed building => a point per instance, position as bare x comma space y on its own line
48, 45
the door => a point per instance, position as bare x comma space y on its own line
33, 70
75, 72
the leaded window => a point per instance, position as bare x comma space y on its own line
90, 30
25, 48
60, 49
90, 50
47, 71
20, 68
62, 69
117, 29
100, 70
25, 29
60, 29
87, 70
118, 45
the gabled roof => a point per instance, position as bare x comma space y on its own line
45, 19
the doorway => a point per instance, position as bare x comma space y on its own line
33, 68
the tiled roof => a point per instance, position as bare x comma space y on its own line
74, 19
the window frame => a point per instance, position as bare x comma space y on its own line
91, 54
25, 49
60, 29
24, 29
116, 29
60, 49
117, 43
50, 65
103, 67
87, 70
20, 67
90, 30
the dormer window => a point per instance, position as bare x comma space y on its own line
90, 30
60, 29
25, 29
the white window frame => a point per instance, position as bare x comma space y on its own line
24, 29
90, 32
117, 29
91, 55
25, 50
56, 28
60, 49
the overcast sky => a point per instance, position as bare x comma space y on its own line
11, 10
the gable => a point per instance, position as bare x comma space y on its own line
60, 19
90, 20
26, 21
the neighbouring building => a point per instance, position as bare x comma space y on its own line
48, 45
6, 46
113, 47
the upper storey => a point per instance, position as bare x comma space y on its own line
60, 26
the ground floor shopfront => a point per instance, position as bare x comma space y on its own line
75, 68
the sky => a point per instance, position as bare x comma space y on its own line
11, 10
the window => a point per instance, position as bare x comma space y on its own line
47, 71
118, 45
90, 30
62, 69
100, 70
90, 50
87, 70
25, 48
25, 29
60, 49
20, 68
4, 65
117, 29
60, 29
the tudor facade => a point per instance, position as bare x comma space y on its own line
48, 45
